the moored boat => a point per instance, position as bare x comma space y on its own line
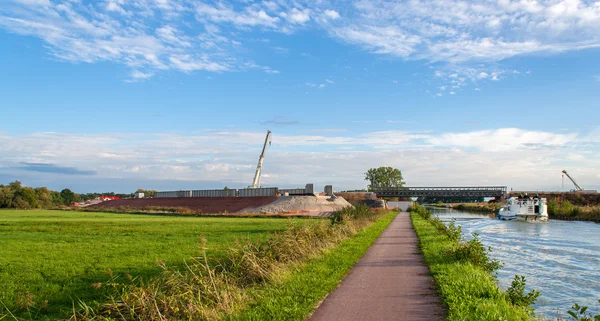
524, 209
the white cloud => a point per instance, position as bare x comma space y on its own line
299, 16
329, 81
380, 39
458, 34
138, 75
331, 14
504, 140
121, 31
597, 77
454, 30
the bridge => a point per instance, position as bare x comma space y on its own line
463, 192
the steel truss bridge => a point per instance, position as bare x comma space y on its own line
466, 192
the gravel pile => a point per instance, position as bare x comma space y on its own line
307, 205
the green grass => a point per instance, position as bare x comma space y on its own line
296, 295
57, 256
469, 291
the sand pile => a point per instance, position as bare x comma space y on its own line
306, 205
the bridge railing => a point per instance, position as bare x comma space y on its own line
470, 191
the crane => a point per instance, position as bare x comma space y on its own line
256, 181
572, 180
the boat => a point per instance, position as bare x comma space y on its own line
524, 209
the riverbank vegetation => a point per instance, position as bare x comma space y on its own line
486, 208
566, 210
465, 274
238, 269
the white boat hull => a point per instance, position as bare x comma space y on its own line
526, 210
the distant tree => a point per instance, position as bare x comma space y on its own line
226, 188
383, 177
15, 186
44, 197
6, 196
25, 198
56, 198
68, 197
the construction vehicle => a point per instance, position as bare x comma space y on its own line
578, 188
256, 181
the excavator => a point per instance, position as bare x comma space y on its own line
256, 181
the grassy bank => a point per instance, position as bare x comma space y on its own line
477, 207
50, 259
566, 210
238, 284
464, 274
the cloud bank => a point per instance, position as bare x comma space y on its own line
506, 156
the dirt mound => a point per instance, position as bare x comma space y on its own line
308, 205
208, 205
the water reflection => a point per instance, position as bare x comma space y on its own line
560, 259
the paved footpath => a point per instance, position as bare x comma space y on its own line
390, 282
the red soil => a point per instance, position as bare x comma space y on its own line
204, 204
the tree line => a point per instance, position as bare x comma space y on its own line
17, 196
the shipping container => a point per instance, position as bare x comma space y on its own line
256, 192
293, 191
214, 193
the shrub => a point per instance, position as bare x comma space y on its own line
516, 292
475, 252
578, 313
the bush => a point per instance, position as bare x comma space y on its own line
475, 252
578, 313
516, 293
416, 208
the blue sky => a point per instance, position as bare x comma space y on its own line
169, 94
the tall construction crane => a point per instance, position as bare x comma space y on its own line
572, 180
256, 181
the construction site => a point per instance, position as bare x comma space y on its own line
254, 199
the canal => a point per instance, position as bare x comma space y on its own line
560, 259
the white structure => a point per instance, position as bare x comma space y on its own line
526, 209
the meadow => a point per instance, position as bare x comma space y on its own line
50, 260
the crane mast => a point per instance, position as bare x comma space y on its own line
256, 181
572, 180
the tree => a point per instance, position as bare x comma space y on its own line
68, 197
44, 197
384, 177
56, 198
6, 196
25, 198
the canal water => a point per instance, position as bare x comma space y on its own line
561, 259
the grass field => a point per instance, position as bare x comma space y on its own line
57, 256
